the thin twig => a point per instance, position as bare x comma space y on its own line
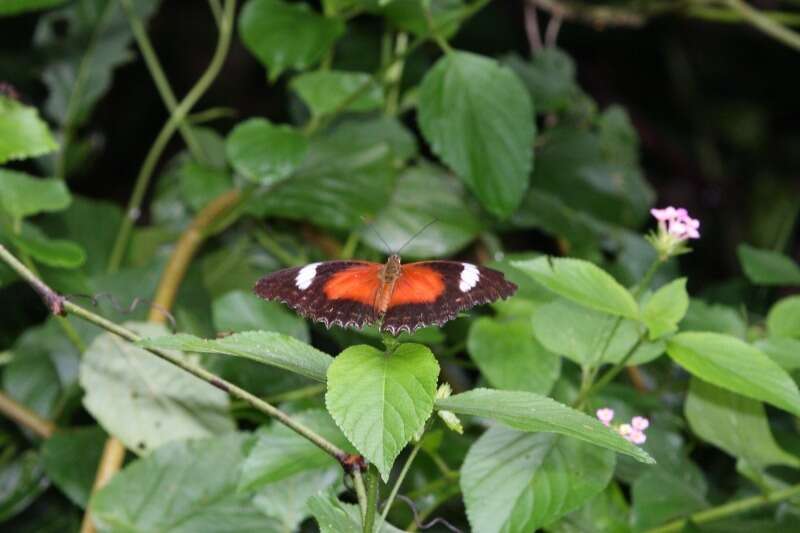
25, 417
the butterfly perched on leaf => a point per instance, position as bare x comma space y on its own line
399, 297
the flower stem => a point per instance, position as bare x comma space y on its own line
729, 509
399, 481
25, 417
176, 118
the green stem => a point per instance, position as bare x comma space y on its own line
146, 171
273, 247
350, 245
729, 509
372, 499
59, 305
399, 481
297, 394
606, 378
361, 493
159, 78
766, 24
77, 94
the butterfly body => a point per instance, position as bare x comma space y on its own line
400, 297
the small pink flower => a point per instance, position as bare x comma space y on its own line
677, 222
640, 423
662, 215
624, 430
605, 415
637, 437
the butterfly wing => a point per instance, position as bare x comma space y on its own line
434, 292
332, 292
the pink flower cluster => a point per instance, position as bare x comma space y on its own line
677, 222
634, 432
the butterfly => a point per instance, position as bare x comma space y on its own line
399, 297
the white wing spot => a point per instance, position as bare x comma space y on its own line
305, 276
469, 277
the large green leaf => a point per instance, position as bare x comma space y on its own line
382, 400
605, 513
22, 195
22, 133
516, 481
665, 308
510, 357
783, 319
418, 18
326, 91
735, 424
57, 253
239, 311
478, 118
286, 35
263, 152
783, 350
335, 516
85, 40
549, 77
425, 195
527, 411
265, 347
288, 501
713, 317
736, 366
581, 282
145, 401
765, 267
581, 334
70, 459
186, 486
345, 178
43, 369
280, 453
200, 183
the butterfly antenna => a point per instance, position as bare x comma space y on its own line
375, 231
417, 234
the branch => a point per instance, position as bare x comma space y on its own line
25, 417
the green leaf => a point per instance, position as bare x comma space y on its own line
583, 283
478, 118
581, 334
43, 369
783, 350
665, 308
161, 402
605, 513
425, 194
201, 183
70, 459
335, 516
239, 311
22, 133
382, 400
22, 480
411, 16
183, 487
713, 317
263, 152
79, 224
326, 91
510, 357
264, 347
288, 501
86, 38
735, 424
515, 481
14, 7
549, 77
283, 35
736, 366
783, 319
280, 453
526, 411
345, 178
22, 195
765, 267
51, 252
